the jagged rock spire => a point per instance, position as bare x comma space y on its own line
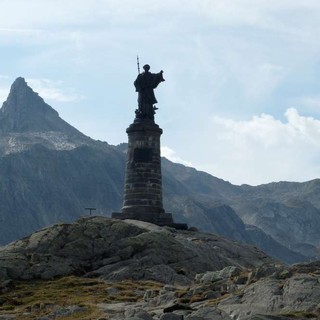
25, 111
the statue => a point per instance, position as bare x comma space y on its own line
145, 83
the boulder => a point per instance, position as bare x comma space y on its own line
296, 294
208, 313
213, 276
118, 250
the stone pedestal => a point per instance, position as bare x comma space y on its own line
143, 183
143, 180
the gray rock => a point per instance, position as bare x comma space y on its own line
298, 293
150, 294
7, 317
165, 297
5, 285
208, 313
112, 291
266, 270
301, 292
129, 251
171, 316
168, 287
137, 314
273, 317
177, 306
213, 276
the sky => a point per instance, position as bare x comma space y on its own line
241, 99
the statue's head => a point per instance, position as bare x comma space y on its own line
146, 67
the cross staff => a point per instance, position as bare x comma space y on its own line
90, 210
138, 64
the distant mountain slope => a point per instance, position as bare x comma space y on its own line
49, 172
40, 187
289, 212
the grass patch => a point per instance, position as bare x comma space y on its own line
31, 299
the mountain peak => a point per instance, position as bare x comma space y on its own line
20, 81
25, 111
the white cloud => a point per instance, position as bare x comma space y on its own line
267, 130
264, 149
307, 129
53, 90
172, 156
225, 12
279, 16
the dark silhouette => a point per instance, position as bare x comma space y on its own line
145, 83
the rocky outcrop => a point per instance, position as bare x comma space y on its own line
112, 249
286, 291
267, 292
143, 271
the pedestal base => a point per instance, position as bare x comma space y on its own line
160, 219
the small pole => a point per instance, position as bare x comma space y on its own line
138, 64
90, 210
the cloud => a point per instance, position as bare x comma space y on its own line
270, 132
279, 16
264, 149
306, 129
172, 156
52, 90
223, 12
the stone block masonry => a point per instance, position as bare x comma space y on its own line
143, 179
143, 185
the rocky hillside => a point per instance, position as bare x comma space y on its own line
288, 212
50, 172
100, 268
116, 250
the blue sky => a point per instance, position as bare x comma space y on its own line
242, 93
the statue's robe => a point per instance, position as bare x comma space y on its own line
144, 84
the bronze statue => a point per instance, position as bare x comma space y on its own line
145, 83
